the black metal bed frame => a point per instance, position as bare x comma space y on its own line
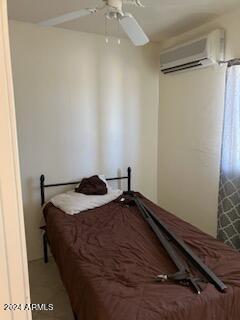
170, 243
42, 190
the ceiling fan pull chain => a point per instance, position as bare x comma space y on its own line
118, 33
106, 31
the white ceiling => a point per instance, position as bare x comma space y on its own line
160, 18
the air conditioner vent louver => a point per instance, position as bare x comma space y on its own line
202, 52
182, 67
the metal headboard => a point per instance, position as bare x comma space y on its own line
43, 185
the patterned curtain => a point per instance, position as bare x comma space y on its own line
229, 188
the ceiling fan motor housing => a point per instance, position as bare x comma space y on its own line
115, 4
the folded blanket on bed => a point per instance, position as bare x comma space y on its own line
72, 202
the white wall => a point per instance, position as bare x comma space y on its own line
190, 129
83, 107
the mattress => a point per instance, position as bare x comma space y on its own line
108, 259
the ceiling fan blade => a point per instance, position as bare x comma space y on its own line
67, 17
133, 30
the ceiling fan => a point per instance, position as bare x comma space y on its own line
114, 11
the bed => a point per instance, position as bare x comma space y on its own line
108, 258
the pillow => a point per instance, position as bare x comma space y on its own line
92, 186
103, 178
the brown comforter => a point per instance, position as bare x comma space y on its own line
108, 258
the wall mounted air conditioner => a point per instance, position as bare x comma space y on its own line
202, 52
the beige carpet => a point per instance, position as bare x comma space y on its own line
46, 287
